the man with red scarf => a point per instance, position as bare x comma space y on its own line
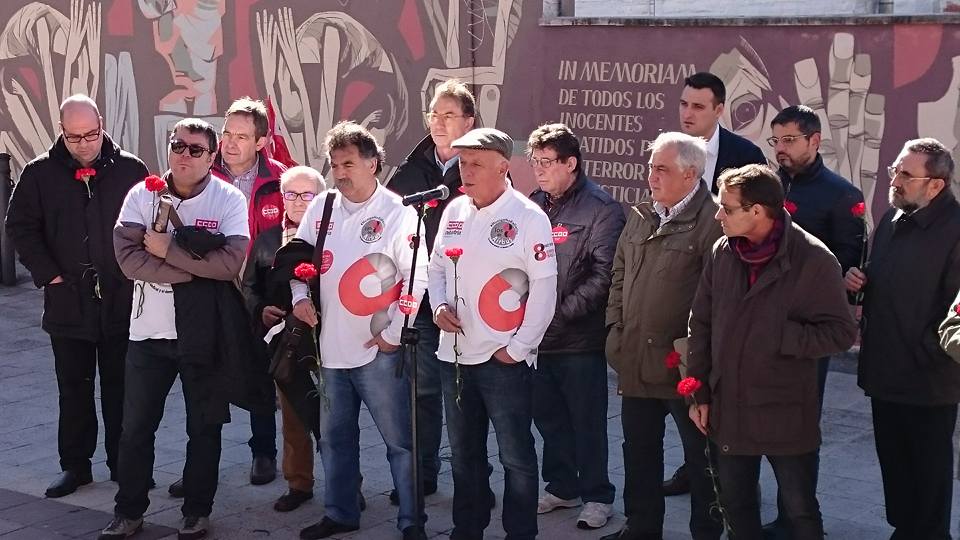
770, 302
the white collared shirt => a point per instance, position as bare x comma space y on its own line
713, 151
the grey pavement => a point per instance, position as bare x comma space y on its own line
850, 492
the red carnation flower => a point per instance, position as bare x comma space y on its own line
672, 360
305, 271
154, 183
689, 386
956, 309
85, 174
790, 206
433, 204
859, 210
454, 254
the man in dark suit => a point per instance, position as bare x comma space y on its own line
701, 106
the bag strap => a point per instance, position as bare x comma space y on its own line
324, 225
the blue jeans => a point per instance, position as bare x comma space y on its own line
570, 411
429, 395
502, 394
387, 397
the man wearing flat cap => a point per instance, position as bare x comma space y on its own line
493, 276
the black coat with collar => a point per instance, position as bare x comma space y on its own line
734, 152
913, 274
824, 201
58, 230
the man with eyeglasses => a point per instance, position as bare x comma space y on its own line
658, 261
178, 323
433, 162
820, 201
910, 279
570, 382
62, 227
769, 303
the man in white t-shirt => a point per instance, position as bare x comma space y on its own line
495, 300
366, 263
158, 264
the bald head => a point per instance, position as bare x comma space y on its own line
81, 125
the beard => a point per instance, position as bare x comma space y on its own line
897, 200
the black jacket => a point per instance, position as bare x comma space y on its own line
824, 201
913, 273
593, 221
420, 172
59, 230
734, 152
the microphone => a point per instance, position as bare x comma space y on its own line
437, 193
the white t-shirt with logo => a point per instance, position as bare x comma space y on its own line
507, 246
367, 257
219, 208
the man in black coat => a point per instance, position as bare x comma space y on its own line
62, 227
701, 106
910, 279
570, 382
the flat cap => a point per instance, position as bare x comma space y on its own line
486, 139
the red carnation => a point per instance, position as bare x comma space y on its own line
859, 210
433, 204
85, 174
790, 206
305, 271
689, 386
956, 309
672, 360
454, 254
154, 183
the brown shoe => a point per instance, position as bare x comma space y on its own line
292, 500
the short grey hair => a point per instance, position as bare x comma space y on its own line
939, 161
303, 170
691, 151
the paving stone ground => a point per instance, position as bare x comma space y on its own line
850, 491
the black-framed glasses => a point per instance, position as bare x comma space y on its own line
895, 173
787, 139
90, 136
196, 150
543, 162
306, 196
445, 117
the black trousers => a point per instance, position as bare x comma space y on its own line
152, 366
915, 449
643, 429
76, 362
796, 482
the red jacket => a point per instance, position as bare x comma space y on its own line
266, 203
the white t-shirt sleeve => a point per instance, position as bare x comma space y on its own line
134, 207
403, 254
236, 220
541, 265
437, 274
540, 254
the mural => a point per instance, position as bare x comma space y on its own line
150, 63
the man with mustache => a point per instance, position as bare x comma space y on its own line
911, 277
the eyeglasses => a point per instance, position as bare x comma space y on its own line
89, 136
445, 117
731, 211
196, 150
787, 139
893, 173
306, 196
543, 162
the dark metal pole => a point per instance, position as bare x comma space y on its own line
8, 267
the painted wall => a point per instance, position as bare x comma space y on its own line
150, 63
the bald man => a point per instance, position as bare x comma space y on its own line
61, 223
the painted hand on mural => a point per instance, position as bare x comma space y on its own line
851, 118
940, 119
35, 38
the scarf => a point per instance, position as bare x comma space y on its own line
289, 231
756, 256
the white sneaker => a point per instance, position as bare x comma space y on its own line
594, 515
550, 502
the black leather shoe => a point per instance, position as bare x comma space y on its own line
429, 488
776, 530
68, 482
325, 528
176, 489
291, 500
414, 533
263, 470
678, 484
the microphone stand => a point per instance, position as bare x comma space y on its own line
409, 338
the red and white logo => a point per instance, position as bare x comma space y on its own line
510, 287
560, 234
375, 273
371, 230
270, 211
211, 224
326, 261
454, 228
503, 232
408, 304
317, 224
